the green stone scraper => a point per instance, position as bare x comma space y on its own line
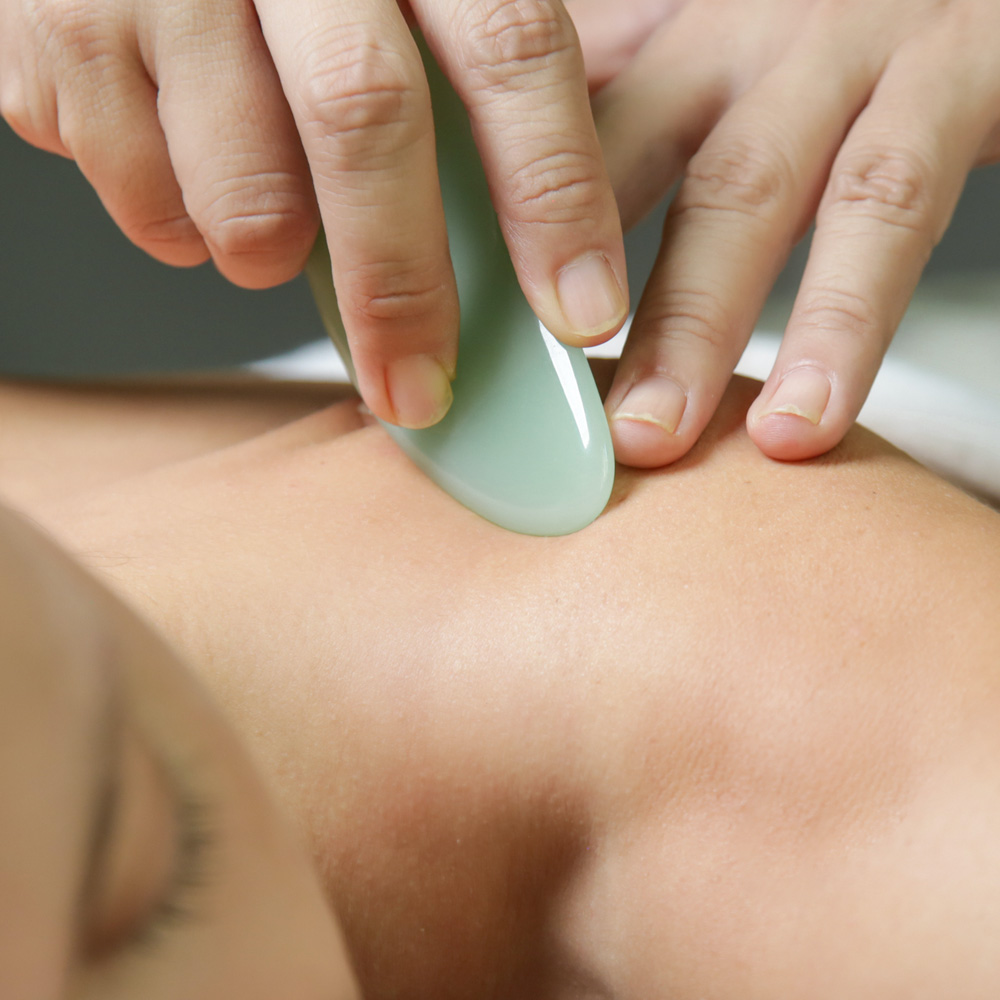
526, 443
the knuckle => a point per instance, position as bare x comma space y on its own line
75, 43
505, 39
69, 28
17, 115
838, 311
555, 188
82, 124
400, 295
739, 175
264, 232
353, 87
888, 185
17, 111
157, 231
57, 19
257, 219
256, 233
692, 318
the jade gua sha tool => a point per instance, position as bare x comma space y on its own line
526, 442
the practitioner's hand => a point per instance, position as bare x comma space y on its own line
205, 127
866, 115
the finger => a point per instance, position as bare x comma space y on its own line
656, 113
891, 195
517, 66
357, 89
104, 116
742, 205
658, 110
232, 142
123, 152
611, 34
27, 83
989, 152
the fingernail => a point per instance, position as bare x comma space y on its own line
653, 400
590, 295
803, 392
419, 390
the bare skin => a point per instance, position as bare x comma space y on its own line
140, 855
738, 739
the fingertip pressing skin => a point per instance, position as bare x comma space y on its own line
791, 438
643, 444
863, 131
791, 418
891, 192
726, 236
645, 423
788, 421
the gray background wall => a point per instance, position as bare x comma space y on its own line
76, 298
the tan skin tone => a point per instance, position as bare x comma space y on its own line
754, 759
139, 852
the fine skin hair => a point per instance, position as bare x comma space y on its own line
737, 739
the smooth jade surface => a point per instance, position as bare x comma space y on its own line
526, 443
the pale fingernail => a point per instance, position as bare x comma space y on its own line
803, 392
419, 390
590, 296
654, 400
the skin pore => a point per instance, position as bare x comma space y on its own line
754, 759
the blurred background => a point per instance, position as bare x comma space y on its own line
77, 299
